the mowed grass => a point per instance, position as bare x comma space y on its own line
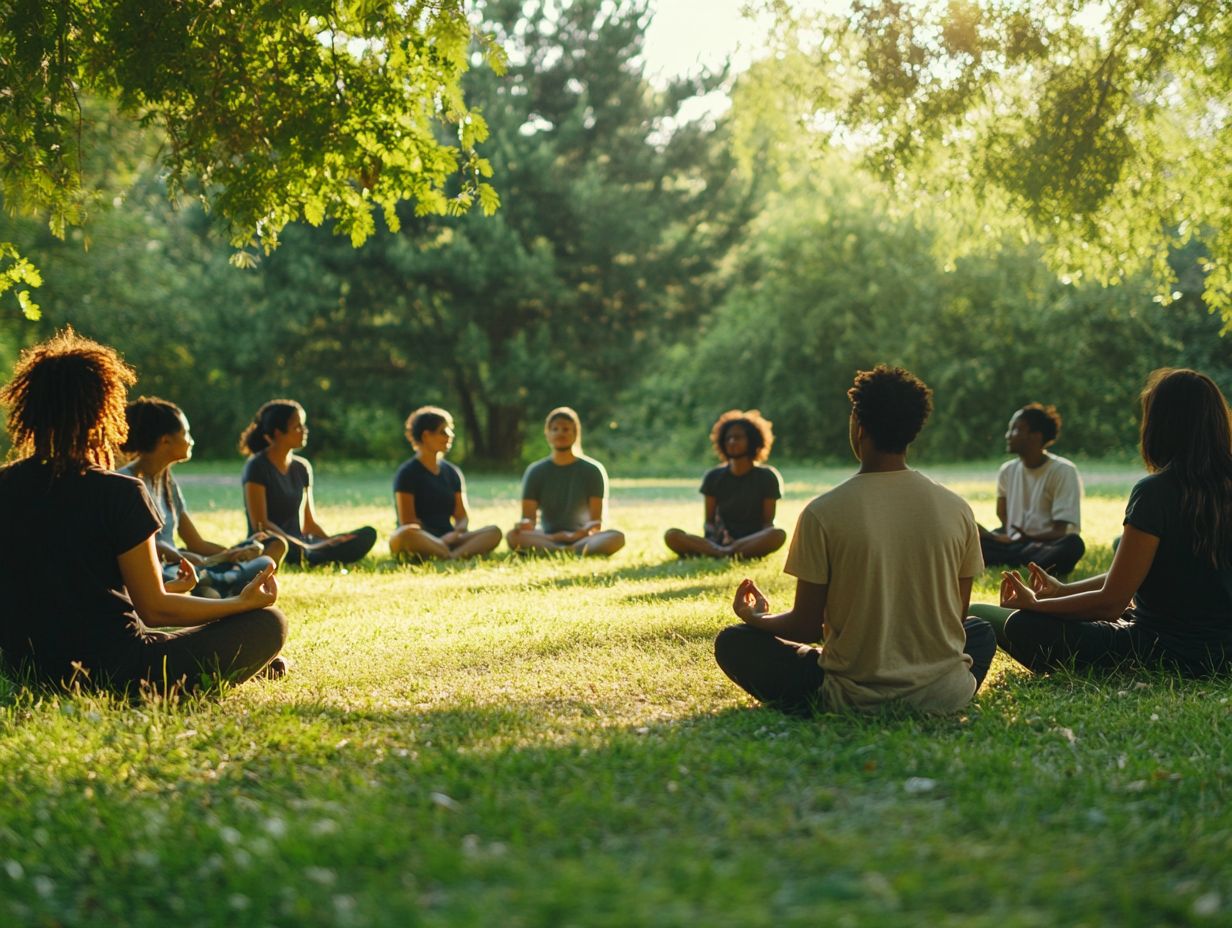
547, 741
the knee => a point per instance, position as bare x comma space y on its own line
729, 644
366, 535
981, 636
275, 549
269, 628
778, 538
615, 543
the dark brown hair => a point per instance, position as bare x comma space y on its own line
759, 430
426, 419
1044, 420
66, 403
892, 404
272, 415
1186, 430
149, 419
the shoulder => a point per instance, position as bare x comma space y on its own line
715, 473
451, 471
537, 467
303, 465
1009, 467
405, 470
1060, 464
256, 465
769, 475
1162, 483
589, 463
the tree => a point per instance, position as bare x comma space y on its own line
614, 220
270, 111
1105, 133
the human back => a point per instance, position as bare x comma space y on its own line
891, 547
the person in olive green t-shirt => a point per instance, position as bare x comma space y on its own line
567, 492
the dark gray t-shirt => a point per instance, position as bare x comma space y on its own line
741, 500
168, 501
284, 493
1184, 601
564, 491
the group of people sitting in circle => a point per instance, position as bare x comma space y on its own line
884, 562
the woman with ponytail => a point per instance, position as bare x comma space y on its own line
158, 437
88, 618
278, 489
1166, 601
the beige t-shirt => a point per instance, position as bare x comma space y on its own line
891, 548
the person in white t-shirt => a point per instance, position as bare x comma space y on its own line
883, 564
1039, 498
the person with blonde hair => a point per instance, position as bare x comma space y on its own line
564, 496
430, 496
91, 621
741, 494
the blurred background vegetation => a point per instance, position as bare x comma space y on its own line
648, 269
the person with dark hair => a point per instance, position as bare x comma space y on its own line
430, 496
1039, 498
741, 494
884, 564
568, 491
278, 489
90, 625
1166, 601
158, 437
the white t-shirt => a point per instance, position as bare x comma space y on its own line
1035, 497
891, 548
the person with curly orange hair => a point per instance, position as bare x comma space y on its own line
741, 494
93, 628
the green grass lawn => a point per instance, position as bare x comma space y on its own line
548, 742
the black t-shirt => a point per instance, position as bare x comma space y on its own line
434, 494
58, 567
1185, 601
740, 500
284, 493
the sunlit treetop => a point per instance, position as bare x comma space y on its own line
1103, 126
271, 111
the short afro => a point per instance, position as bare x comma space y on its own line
892, 405
1042, 419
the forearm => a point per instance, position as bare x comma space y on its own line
183, 610
206, 548
1086, 606
1051, 534
789, 626
1090, 584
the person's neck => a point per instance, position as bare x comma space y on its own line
873, 461
429, 459
740, 466
563, 457
1033, 459
278, 456
149, 465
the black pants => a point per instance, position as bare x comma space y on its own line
232, 649
1043, 642
1056, 557
788, 676
345, 552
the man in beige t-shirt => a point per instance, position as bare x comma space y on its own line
883, 565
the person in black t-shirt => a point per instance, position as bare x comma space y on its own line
741, 494
430, 496
1166, 601
278, 489
90, 627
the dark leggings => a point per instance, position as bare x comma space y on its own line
788, 675
1056, 557
344, 552
1043, 642
233, 649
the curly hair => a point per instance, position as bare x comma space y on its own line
426, 419
149, 419
66, 403
892, 404
1042, 419
1186, 429
760, 432
272, 415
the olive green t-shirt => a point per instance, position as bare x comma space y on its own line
891, 548
564, 491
